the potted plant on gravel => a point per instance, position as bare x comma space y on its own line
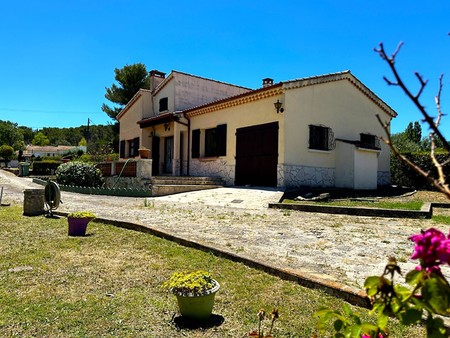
78, 222
195, 293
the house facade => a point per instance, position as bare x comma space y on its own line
319, 131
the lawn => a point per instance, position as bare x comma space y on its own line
108, 284
382, 204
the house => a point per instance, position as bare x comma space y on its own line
31, 152
319, 131
157, 114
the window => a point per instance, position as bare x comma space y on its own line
321, 138
369, 141
133, 147
163, 104
214, 142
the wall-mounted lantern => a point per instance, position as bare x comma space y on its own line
278, 105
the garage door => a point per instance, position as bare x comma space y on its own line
257, 155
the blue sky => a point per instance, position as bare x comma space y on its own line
57, 56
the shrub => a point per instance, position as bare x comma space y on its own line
79, 174
7, 152
403, 175
45, 167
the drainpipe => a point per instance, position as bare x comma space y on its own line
189, 142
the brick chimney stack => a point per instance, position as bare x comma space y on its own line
267, 82
156, 77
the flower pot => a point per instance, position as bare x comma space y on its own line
144, 153
77, 226
197, 307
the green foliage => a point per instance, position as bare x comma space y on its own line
11, 135
82, 142
40, 139
413, 132
404, 175
45, 167
7, 152
129, 79
81, 214
79, 174
197, 283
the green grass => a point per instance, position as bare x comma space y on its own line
441, 219
410, 205
108, 284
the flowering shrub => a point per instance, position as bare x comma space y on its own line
79, 174
428, 294
195, 283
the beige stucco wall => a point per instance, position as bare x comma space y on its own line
347, 111
338, 105
192, 91
129, 129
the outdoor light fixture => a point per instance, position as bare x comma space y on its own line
278, 105
166, 126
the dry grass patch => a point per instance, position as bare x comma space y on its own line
107, 284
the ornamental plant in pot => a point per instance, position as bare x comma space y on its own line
195, 293
78, 222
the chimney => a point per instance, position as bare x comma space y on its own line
267, 82
156, 77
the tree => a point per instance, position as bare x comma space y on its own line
7, 152
40, 139
10, 134
413, 132
129, 79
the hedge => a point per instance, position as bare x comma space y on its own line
45, 167
403, 175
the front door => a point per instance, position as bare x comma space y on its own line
168, 155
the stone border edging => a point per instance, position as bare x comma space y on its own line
425, 212
123, 192
336, 289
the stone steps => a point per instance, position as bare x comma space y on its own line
168, 185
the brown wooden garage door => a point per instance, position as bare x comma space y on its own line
257, 155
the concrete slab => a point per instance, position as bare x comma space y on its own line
254, 198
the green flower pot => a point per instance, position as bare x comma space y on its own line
197, 307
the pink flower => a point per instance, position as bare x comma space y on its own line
432, 247
368, 336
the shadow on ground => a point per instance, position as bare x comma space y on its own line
183, 323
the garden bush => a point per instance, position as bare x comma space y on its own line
45, 167
403, 175
79, 174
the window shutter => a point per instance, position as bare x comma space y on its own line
195, 143
122, 149
135, 146
221, 138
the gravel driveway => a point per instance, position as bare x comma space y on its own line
339, 248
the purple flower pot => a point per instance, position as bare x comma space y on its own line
77, 226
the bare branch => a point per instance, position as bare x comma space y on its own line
423, 83
414, 98
439, 184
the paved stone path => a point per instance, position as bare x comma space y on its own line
338, 248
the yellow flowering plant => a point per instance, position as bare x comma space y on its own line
194, 283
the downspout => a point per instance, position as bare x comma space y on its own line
189, 142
